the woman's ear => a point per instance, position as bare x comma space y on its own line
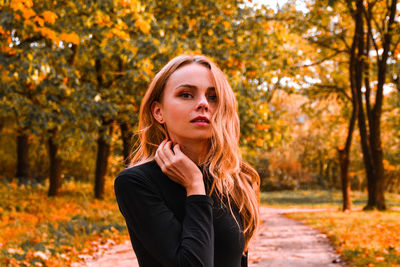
156, 111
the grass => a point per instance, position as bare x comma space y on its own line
362, 238
36, 230
319, 199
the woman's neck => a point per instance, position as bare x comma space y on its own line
195, 150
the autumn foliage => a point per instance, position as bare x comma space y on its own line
73, 73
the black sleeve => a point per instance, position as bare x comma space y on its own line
172, 243
244, 260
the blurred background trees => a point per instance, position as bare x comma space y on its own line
73, 74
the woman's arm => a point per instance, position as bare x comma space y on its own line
190, 243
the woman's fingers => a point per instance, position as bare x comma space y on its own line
159, 157
167, 151
177, 166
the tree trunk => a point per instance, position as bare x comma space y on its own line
344, 160
103, 153
376, 181
55, 168
126, 136
357, 68
22, 172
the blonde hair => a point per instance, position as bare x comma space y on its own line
233, 178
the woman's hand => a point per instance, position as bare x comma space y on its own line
180, 168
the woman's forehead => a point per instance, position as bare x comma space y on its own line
192, 74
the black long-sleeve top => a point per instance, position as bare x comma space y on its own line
168, 228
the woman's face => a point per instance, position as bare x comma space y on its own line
188, 102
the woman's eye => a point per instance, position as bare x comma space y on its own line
185, 95
212, 97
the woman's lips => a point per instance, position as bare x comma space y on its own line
201, 119
200, 123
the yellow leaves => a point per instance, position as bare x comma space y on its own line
70, 38
121, 34
49, 17
103, 19
121, 24
210, 32
143, 25
147, 67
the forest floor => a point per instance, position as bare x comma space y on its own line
280, 242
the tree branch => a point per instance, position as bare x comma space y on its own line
368, 19
318, 62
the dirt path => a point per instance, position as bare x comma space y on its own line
285, 242
280, 242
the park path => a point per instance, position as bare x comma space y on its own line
280, 242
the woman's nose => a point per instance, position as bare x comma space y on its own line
203, 103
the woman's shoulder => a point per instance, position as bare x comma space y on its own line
139, 173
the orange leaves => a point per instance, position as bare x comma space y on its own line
262, 127
49, 17
27, 13
397, 51
48, 33
70, 38
125, 3
24, 6
65, 80
365, 238
227, 25
143, 25
39, 21
228, 41
8, 50
191, 23
128, 3
26, 3
260, 142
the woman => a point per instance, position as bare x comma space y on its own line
188, 198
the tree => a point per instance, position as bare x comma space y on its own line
372, 23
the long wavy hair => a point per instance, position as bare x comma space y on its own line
233, 178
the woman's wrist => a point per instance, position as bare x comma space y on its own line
196, 188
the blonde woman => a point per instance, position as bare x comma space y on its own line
188, 198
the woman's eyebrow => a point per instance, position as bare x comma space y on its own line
187, 86
193, 86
